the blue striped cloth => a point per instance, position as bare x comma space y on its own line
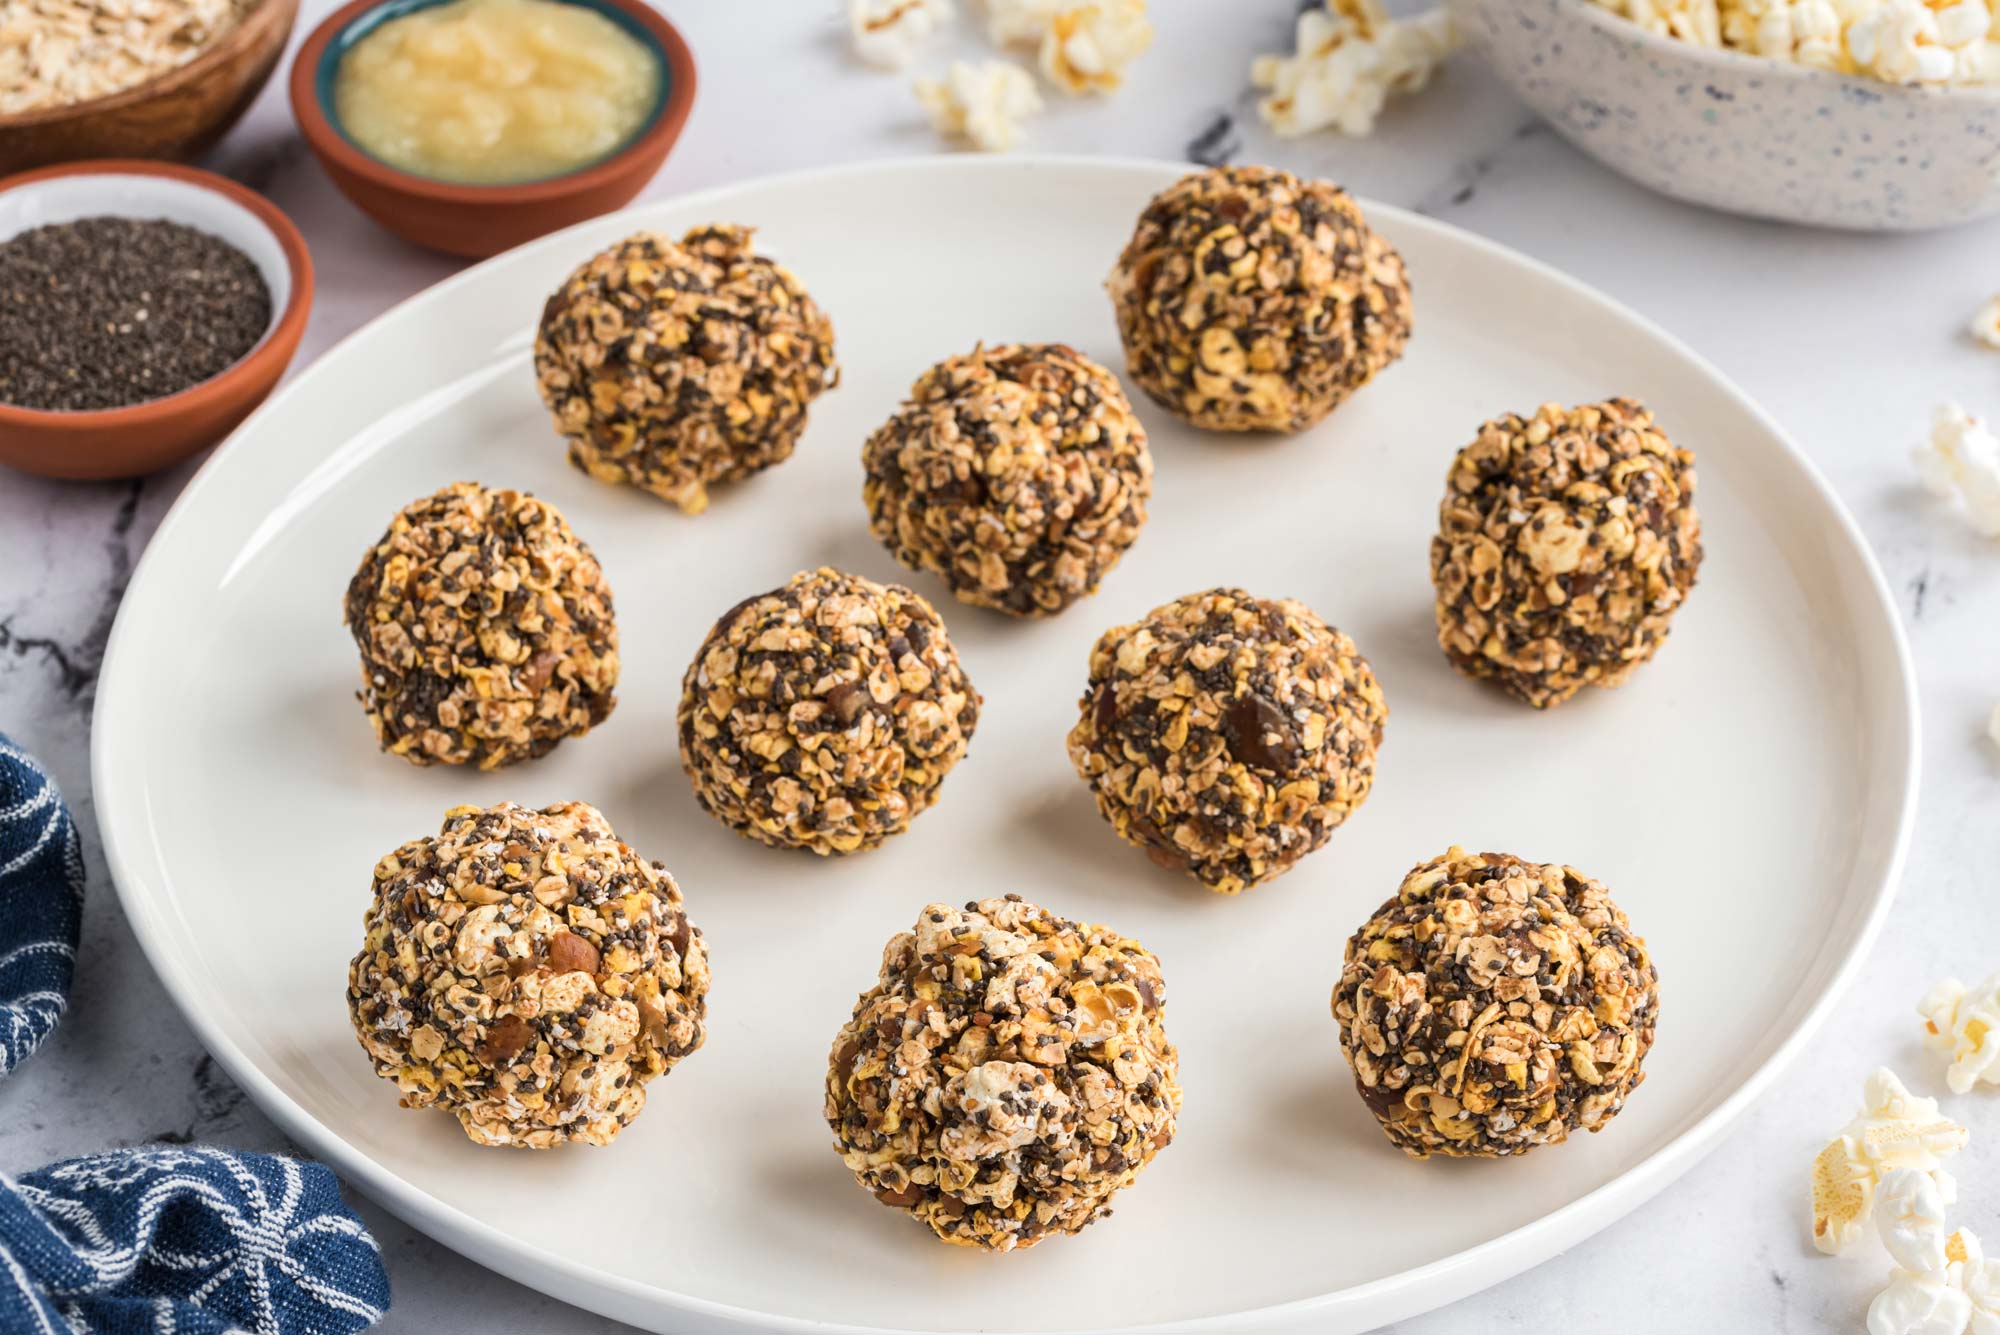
163, 1239
41, 904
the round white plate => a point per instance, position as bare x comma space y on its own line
1747, 796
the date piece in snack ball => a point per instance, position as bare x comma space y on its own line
670, 365
824, 714
1007, 1076
1252, 300
1566, 542
1495, 1005
485, 628
1228, 735
528, 973
1017, 474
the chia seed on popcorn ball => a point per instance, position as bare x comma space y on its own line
1017, 474
1252, 300
1566, 542
1008, 1074
528, 973
825, 714
671, 365
485, 628
1228, 735
1495, 1005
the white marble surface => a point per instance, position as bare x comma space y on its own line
1846, 339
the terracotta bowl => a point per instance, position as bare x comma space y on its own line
481, 220
130, 442
175, 116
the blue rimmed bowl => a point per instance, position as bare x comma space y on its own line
481, 220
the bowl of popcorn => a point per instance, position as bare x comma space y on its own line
131, 78
1873, 115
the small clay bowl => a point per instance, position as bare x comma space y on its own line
174, 115
482, 220
145, 437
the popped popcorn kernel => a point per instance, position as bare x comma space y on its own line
982, 103
1086, 49
887, 33
1895, 1129
1985, 326
1350, 58
1964, 1024
1952, 1290
1961, 463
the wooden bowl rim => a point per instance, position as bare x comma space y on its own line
333, 148
253, 30
279, 341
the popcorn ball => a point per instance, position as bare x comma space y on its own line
670, 365
1008, 1075
1495, 1005
1566, 542
527, 973
485, 628
824, 714
1228, 735
1016, 474
1250, 300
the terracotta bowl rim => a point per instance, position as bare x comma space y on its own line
316, 121
253, 28
279, 340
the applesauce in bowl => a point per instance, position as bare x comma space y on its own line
493, 92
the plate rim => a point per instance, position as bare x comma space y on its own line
1391, 1297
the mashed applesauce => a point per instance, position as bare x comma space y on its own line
493, 91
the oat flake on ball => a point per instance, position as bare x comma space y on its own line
1566, 542
485, 628
1017, 474
1494, 1005
528, 973
824, 714
1008, 1074
670, 365
1252, 300
1227, 735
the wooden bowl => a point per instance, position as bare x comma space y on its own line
173, 116
482, 220
133, 441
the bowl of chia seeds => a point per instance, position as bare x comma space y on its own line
145, 309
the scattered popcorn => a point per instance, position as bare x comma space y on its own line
1957, 1293
1909, 1214
1895, 1129
1964, 1024
1961, 462
983, 103
1932, 42
1023, 21
1986, 325
1086, 49
1351, 57
888, 32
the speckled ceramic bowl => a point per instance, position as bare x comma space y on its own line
1743, 133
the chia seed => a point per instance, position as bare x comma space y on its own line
108, 312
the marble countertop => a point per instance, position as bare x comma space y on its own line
1847, 340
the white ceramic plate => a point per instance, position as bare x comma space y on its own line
1747, 796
